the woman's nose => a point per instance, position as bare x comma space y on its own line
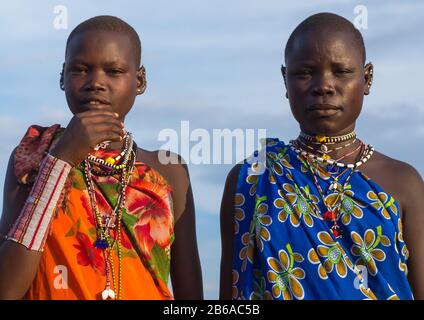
95, 81
323, 86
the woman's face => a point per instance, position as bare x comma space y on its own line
100, 68
325, 81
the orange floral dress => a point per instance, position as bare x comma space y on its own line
72, 268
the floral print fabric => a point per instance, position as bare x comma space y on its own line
284, 249
146, 238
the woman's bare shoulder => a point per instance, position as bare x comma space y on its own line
168, 164
397, 177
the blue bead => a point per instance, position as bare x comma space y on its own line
101, 244
332, 169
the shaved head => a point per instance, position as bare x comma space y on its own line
324, 23
111, 24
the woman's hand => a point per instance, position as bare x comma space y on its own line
85, 131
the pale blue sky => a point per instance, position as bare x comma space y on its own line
216, 64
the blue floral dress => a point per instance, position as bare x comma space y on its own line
284, 249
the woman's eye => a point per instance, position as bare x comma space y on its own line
77, 70
115, 71
303, 73
343, 71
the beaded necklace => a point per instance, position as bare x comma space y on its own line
111, 162
329, 161
332, 169
105, 223
323, 148
326, 167
323, 141
332, 213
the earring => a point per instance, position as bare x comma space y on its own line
287, 95
371, 73
371, 78
61, 84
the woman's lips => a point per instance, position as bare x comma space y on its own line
90, 105
324, 110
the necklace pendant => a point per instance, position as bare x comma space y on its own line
101, 244
326, 157
329, 215
336, 231
108, 293
108, 221
332, 169
320, 138
102, 145
333, 186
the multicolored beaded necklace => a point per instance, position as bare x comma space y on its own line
332, 162
323, 142
325, 139
113, 163
310, 160
106, 241
325, 151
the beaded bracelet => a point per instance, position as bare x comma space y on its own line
31, 227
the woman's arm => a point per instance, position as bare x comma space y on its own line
18, 265
186, 273
227, 233
413, 229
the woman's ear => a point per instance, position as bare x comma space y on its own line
141, 80
368, 77
61, 80
284, 73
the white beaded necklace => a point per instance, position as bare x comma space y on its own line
369, 150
